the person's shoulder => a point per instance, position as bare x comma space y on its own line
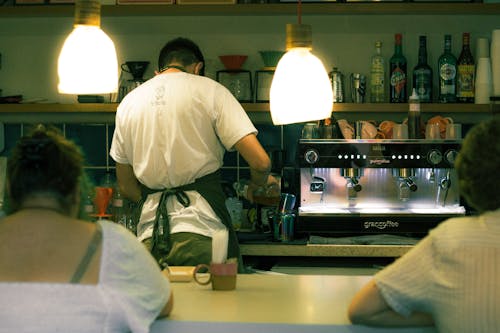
112, 230
457, 224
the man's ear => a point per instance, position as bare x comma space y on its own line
198, 67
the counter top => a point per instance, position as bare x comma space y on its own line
268, 303
323, 250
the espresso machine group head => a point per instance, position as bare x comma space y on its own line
371, 186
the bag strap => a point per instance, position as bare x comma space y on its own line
91, 249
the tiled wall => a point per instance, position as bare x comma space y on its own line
95, 140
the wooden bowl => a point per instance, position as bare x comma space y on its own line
233, 61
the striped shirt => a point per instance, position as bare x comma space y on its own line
453, 274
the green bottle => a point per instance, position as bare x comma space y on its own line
398, 73
422, 73
447, 67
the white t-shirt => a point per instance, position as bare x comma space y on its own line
130, 294
453, 274
174, 129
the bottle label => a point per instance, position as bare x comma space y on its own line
398, 80
414, 107
118, 202
88, 209
447, 72
423, 85
465, 82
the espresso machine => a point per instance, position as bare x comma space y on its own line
376, 186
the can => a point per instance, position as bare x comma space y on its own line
358, 87
286, 227
337, 79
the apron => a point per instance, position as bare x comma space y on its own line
210, 189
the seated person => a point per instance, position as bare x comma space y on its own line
451, 278
61, 274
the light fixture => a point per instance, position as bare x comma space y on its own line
87, 63
301, 90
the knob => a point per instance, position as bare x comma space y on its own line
450, 156
434, 157
311, 156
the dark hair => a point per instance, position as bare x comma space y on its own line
181, 50
44, 162
478, 164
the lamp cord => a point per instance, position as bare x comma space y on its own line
299, 12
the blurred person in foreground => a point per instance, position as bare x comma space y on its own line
451, 278
169, 142
61, 274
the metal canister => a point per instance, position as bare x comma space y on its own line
337, 79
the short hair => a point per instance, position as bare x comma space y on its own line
44, 162
478, 165
181, 50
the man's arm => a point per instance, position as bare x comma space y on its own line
369, 307
258, 160
127, 182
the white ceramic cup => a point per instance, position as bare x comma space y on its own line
454, 131
432, 132
400, 131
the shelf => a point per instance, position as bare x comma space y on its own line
355, 8
393, 108
259, 107
58, 108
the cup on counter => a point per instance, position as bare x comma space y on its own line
400, 131
432, 131
222, 276
453, 132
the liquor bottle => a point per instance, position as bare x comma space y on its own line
447, 67
466, 69
422, 73
377, 74
398, 73
118, 208
414, 116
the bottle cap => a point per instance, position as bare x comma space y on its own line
414, 96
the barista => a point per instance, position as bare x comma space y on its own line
169, 142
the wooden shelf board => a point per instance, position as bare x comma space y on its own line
59, 108
259, 107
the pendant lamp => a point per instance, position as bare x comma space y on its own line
87, 63
301, 90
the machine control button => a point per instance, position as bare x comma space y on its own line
311, 156
450, 156
434, 157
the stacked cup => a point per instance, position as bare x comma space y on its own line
495, 61
483, 84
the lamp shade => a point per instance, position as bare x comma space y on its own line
301, 90
87, 63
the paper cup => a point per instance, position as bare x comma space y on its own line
495, 61
483, 84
